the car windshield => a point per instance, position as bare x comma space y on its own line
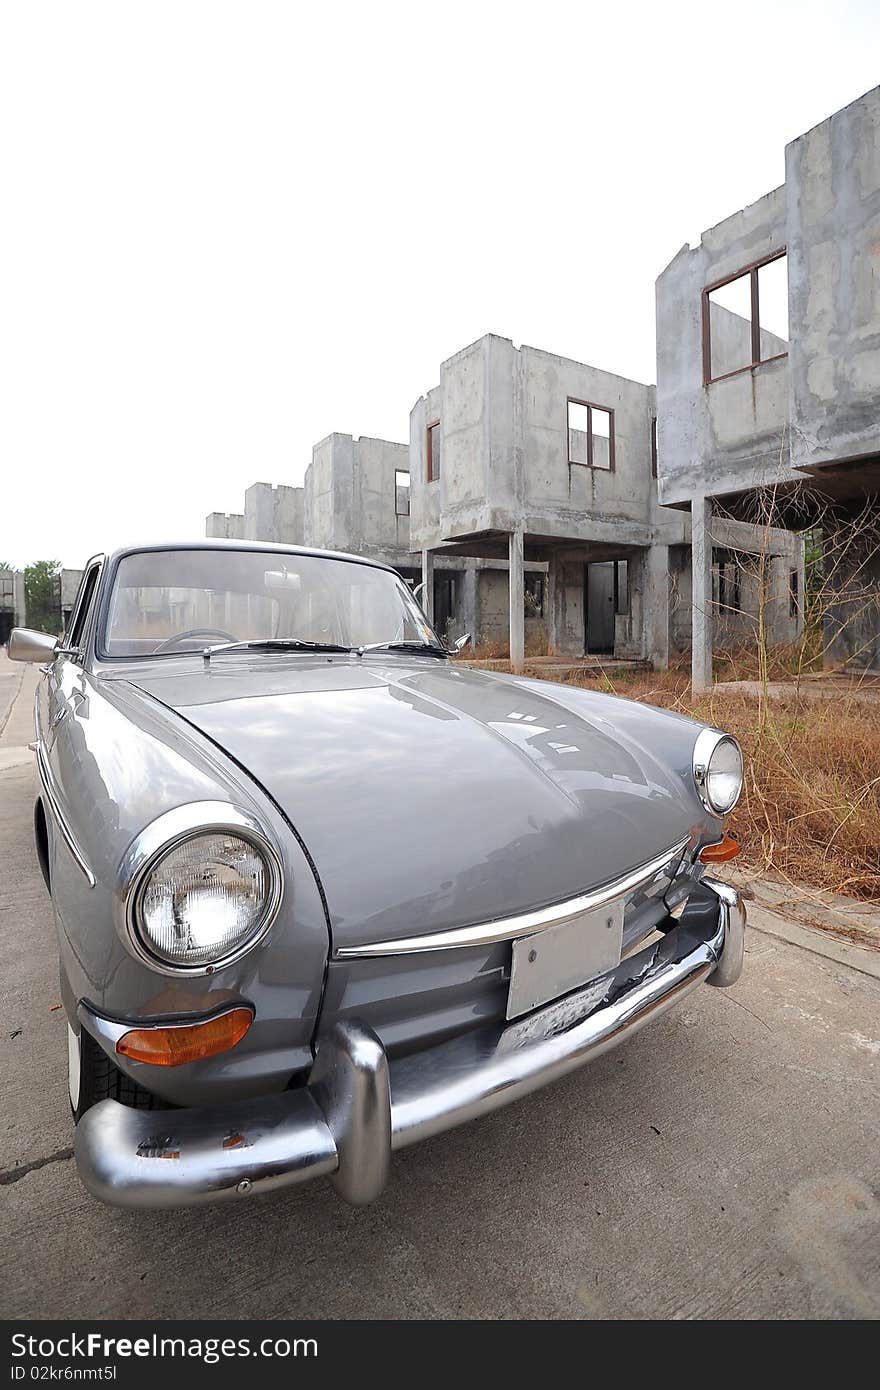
167, 601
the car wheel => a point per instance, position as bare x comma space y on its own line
91, 1076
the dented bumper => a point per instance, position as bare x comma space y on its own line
357, 1107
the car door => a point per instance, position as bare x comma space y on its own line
61, 699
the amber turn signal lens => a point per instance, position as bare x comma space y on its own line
188, 1042
718, 854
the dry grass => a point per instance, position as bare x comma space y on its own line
810, 810
536, 644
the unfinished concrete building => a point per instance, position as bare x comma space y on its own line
270, 513
225, 526
276, 512
356, 499
521, 455
768, 375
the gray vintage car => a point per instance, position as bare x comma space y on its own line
322, 892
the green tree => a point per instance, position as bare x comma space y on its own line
42, 591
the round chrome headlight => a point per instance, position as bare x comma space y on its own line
718, 771
199, 896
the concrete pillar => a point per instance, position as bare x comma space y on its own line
701, 595
517, 601
469, 604
550, 602
655, 601
426, 597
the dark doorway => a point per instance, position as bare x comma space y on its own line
599, 607
606, 593
444, 602
7, 623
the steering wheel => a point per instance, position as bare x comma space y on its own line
193, 632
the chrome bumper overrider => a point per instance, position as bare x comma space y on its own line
358, 1107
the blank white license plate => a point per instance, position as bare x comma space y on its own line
562, 958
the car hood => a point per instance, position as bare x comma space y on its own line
432, 796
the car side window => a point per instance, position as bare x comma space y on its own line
83, 607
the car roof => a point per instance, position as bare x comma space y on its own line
269, 547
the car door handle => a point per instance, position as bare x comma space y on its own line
67, 707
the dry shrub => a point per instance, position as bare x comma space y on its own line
810, 809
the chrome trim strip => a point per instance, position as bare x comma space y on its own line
525, 924
60, 819
340, 1120
108, 1031
165, 833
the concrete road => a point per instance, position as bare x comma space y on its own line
723, 1163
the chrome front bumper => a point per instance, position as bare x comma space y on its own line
358, 1107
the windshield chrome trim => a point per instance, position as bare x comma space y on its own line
526, 923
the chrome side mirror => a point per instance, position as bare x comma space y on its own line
461, 642
27, 645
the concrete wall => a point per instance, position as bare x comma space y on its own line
492, 620
350, 500
227, 526
832, 178
273, 514
732, 434
736, 622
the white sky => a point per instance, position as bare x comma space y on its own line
228, 229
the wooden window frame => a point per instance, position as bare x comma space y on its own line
591, 406
757, 360
432, 477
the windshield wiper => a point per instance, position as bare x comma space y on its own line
422, 648
275, 644
297, 644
